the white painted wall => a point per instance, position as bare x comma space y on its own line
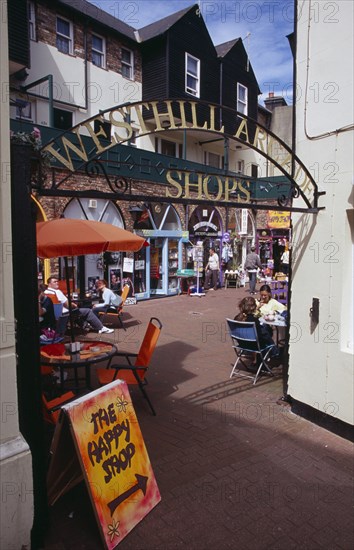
15, 458
321, 364
106, 88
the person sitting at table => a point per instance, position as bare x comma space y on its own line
107, 298
268, 305
84, 313
45, 309
248, 312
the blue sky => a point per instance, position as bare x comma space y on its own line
266, 22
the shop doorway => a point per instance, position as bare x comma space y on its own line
158, 264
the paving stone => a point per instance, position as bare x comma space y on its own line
235, 467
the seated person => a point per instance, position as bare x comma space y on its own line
84, 313
267, 304
45, 309
107, 298
248, 313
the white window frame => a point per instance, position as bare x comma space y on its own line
69, 38
242, 104
189, 90
31, 10
129, 65
101, 53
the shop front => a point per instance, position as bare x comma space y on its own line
273, 240
155, 266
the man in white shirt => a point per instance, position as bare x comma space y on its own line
84, 313
212, 270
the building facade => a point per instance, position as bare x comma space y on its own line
321, 339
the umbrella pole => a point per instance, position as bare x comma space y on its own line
66, 264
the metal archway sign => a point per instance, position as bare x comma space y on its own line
86, 147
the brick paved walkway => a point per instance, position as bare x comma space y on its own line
234, 468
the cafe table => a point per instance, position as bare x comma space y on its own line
61, 358
277, 322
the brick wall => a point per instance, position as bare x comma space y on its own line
46, 32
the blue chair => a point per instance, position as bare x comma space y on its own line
246, 345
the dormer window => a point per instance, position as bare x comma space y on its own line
98, 51
127, 64
192, 75
242, 99
64, 35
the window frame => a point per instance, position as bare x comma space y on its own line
98, 52
242, 102
31, 10
160, 143
193, 92
129, 65
69, 38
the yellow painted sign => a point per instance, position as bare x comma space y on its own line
113, 459
278, 220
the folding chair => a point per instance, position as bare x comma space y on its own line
116, 311
51, 409
246, 344
134, 374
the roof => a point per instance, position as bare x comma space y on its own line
224, 48
101, 16
163, 25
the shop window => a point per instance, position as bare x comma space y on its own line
192, 84
64, 35
127, 64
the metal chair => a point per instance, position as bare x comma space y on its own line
116, 311
246, 343
135, 374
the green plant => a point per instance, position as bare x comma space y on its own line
35, 140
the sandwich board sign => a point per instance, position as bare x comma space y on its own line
98, 439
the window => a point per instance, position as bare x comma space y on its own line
242, 96
212, 159
31, 20
127, 64
170, 148
24, 110
64, 36
104, 126
192, 75
63, 120
98, 51
240, 166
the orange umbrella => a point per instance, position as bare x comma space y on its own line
70, 237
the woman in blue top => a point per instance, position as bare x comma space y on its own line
107, 298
